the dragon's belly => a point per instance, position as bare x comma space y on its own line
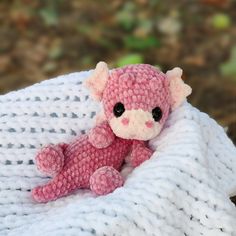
82, 158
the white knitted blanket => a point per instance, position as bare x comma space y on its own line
183, 190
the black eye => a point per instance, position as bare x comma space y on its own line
118, 109
157, 113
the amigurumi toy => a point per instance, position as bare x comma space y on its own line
137, 100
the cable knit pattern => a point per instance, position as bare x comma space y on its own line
183, 189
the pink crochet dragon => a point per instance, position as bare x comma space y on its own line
137, 100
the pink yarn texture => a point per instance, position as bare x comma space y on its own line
137, 100
137, 87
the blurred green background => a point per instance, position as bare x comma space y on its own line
40, 39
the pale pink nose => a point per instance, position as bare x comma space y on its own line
149, 124
125, 121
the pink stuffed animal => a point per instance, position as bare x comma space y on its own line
137, 100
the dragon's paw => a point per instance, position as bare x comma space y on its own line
139, 155
101, 136
50, 160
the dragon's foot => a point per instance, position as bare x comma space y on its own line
48, 192
38, 194
105, 180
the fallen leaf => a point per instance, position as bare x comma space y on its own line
229, 68
133, 42
130, 59
221, 21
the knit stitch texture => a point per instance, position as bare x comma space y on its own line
183, 189
136, 100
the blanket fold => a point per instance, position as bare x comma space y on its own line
183, 189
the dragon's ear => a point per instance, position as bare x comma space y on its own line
178, 89
97, 81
